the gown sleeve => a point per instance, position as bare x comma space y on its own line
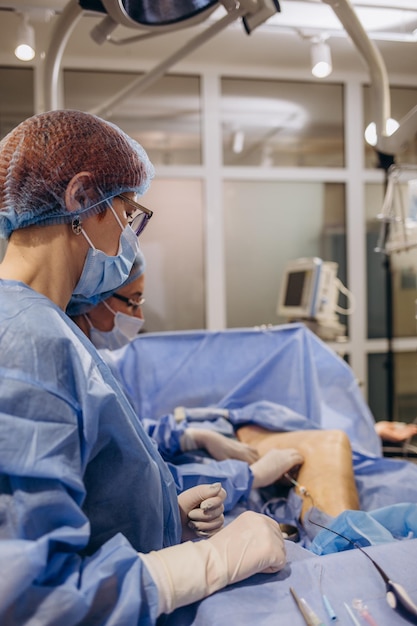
166, 433
82, 487
47, 577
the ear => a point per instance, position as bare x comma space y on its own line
79, 191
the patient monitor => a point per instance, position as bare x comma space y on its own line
309, 293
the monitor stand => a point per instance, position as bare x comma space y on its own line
327, 330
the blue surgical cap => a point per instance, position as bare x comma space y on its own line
79, 305
40, 157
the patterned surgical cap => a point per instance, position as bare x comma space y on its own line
41, 156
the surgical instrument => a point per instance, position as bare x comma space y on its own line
329, 608
315, 620
310, 618
353, 618
363, 611
396, 596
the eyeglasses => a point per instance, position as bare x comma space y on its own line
135, 304
139, 218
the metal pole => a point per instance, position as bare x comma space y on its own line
140, 84
52, 67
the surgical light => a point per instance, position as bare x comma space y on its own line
391, 126
25, 47
321, 58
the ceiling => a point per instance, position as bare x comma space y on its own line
282, 42
280, 45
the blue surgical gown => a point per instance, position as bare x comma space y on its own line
82, 486
196, 468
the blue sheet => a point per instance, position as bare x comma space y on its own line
265, 600
285, 365
285, 378
281, 378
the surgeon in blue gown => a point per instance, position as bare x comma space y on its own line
91, 529
194, 455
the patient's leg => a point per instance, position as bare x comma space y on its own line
327, 471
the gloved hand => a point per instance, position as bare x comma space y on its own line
273, 465
217, 445
251, 544
201, 510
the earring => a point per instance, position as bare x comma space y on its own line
76, 225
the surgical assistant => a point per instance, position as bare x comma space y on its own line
112, 319
90, 521
194, 455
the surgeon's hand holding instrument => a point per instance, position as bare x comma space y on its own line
251, 544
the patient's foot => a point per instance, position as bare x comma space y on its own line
273, 465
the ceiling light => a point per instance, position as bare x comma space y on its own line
370, 132
238, 141
25, 48
321, 58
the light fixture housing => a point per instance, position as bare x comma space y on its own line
371, 138
25, 47
238, 141
321, 58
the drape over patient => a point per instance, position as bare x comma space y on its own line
282, 378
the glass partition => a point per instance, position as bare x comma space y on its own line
396, 273
268, 224
16, 104
165, 118
405, 376
173, 244
282, 123
16, 97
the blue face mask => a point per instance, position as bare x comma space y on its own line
101, 272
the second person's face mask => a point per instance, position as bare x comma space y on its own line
126, 328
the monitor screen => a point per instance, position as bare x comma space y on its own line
295, 287
308, 290
299, 288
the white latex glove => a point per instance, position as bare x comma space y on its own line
201, 510
273, 465
190, 571
217, 445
